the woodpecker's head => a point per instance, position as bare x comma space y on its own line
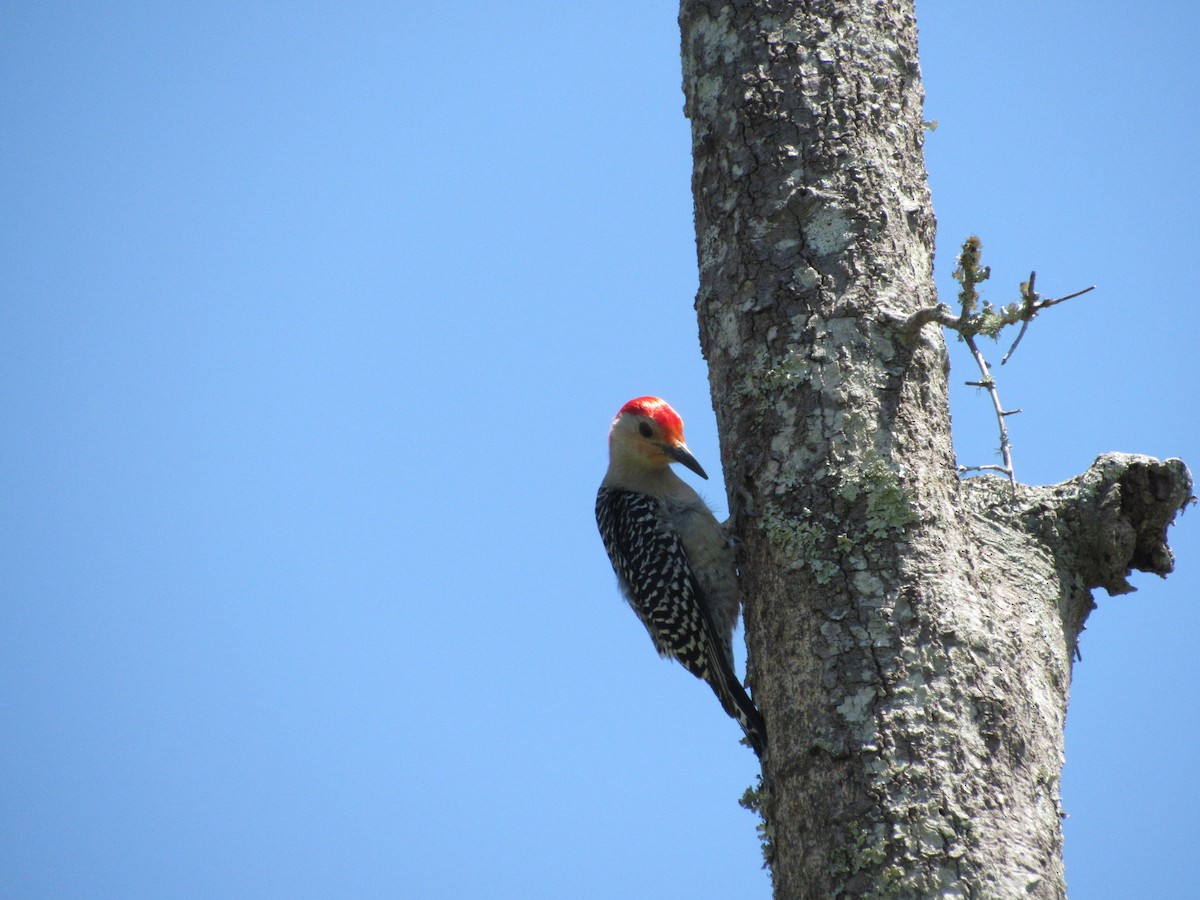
648, 434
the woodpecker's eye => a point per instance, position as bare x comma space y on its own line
644, 429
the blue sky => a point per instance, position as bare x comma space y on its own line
315, 316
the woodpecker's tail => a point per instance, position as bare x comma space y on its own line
737, 702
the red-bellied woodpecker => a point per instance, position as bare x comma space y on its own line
674, 561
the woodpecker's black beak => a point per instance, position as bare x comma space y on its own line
680, 453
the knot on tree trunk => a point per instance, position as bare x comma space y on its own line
1113, 518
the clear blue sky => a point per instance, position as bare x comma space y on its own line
315, 316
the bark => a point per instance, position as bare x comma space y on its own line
910, 635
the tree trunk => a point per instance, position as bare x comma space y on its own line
910, 634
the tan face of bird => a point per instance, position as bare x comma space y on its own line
647, 434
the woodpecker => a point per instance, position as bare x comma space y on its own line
674, 561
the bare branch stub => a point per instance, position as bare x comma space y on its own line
977, 317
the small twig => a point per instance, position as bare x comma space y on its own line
989, 384
1029, 298
1046, 304
1020, 334
964, 469
1032, 304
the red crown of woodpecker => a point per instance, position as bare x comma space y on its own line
657, 409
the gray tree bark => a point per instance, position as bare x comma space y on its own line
910, 635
